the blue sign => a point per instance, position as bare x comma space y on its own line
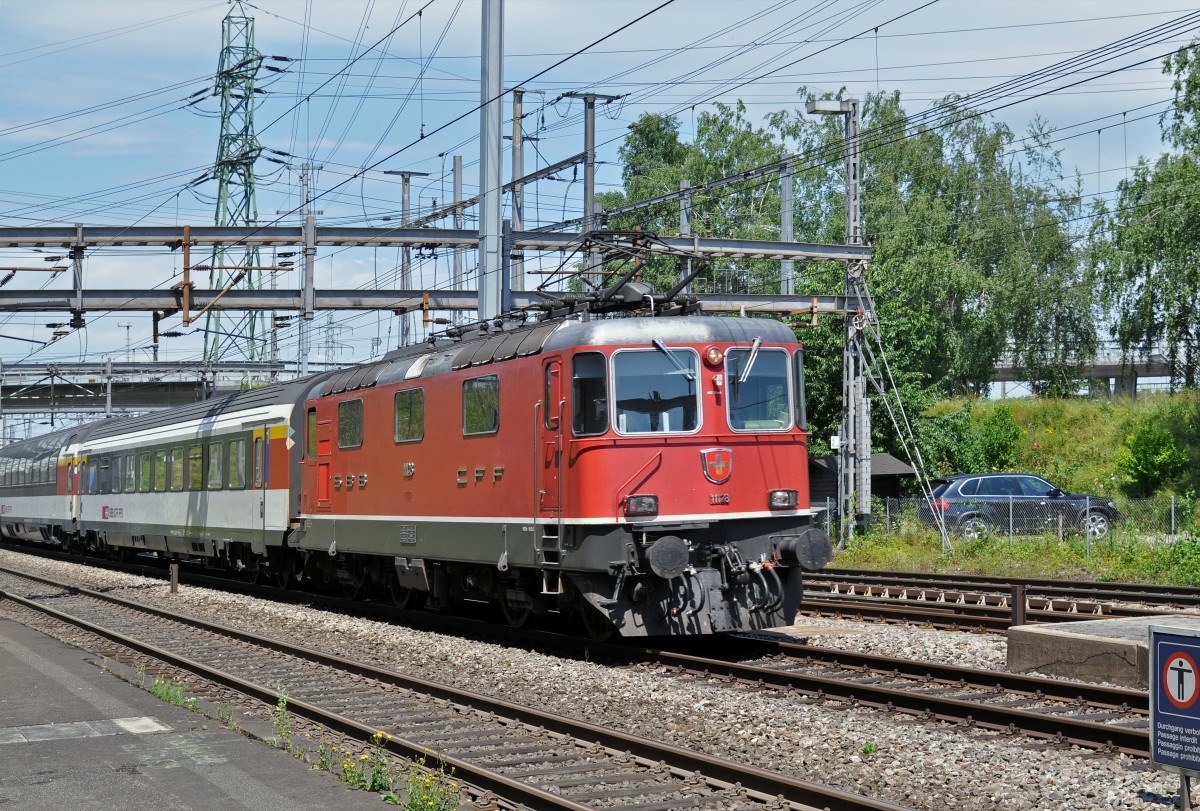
1174, 689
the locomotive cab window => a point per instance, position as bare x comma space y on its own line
409, 419
757, 391
657, 390
481, 405
589, 394
350, 424
798, 380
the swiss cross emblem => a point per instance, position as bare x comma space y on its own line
718, 464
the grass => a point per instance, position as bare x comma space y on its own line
915, 548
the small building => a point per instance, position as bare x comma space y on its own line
886, 473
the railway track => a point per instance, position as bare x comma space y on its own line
1103, 718
1062, 590
523, 755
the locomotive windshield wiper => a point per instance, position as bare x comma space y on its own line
750, 361
661, 347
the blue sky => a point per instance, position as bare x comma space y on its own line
93, 126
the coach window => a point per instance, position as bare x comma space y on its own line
237, 464
160, 471
409, 422
177, 468
145, 471
130, 474
118, 473
195, 475
657, 390
214, 465
350, 424
589, 394
258, 461
105, 478
310, 434
481, 405
756, 382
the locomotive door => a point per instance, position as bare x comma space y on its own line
550, 441
324, 448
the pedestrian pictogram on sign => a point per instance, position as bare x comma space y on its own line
1179, 680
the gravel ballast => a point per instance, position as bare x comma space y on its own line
915, 763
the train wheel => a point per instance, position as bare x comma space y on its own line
405, 598
355, 582
516, 613
282, 572
598, 627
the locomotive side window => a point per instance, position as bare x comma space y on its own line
481, 405
144, 472
798, 377
409, 415
177, 468
350, 424
310, 434
589, 394
236, 479
552, 395
757, 384
656, 390
195, 468
214, 465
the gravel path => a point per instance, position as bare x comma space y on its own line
927, 766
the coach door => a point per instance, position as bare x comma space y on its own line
260, 473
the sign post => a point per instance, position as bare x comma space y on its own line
1174, 709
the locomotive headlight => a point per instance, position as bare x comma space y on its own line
713, 356
641, 505
783, 499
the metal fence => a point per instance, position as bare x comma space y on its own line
1163, 519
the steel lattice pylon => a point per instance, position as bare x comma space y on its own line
237, 151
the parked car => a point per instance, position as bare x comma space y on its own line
973, 505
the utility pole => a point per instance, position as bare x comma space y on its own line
458, 224
406, 176
685, 227
490, 152
590, 222
517, 261
310, 260
128, 355
787, 268
854, 451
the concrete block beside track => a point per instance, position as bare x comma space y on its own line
1113, 651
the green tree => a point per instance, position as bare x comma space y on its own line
1144, 249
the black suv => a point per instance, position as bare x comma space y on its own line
976, 504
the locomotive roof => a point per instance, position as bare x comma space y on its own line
689, 329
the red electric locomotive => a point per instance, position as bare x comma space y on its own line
647, 474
